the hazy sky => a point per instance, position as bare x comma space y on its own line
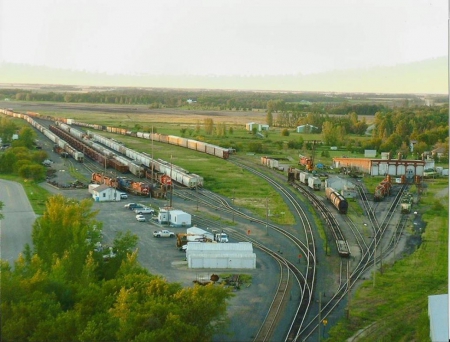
246, 37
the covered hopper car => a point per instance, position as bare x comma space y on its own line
338, 201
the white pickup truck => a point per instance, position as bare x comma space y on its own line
163, 233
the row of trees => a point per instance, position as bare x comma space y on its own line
21, 158
66, 290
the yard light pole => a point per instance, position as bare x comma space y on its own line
374, 256
232, 201
171, 185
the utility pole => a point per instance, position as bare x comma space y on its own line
153, 157
267, 216
375, 257
171, 186
232, 200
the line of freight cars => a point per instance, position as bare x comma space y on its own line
175, 172
61, 146
139, 164
191, 144
147, 168
305, 178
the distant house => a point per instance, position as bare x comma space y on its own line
307, 129
370, 153
104, 193
412, 143
259, 127
439, 152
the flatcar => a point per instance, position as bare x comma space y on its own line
338, 201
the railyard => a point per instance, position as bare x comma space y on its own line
174, 267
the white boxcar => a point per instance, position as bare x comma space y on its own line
314, 183
304, 177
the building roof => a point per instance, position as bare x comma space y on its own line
102, 188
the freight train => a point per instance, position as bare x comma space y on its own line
214, 150
122, 183
338, 201
92, 145
61, 146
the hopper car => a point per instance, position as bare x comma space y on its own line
338, 201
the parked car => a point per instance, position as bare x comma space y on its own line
140, 218
123, 195
144, 210
135, 206
129, 204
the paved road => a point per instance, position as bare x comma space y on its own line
16, 226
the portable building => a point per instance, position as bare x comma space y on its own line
176, 218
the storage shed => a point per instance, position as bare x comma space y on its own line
221, 255
104, 193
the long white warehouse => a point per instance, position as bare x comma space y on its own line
221, 255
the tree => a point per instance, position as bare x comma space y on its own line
285, 132
269, 118
65, 227
209, 126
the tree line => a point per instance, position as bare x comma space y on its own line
204, 99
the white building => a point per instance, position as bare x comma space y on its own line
103, 193
175, 218
221, 255
259, 127
307, 129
